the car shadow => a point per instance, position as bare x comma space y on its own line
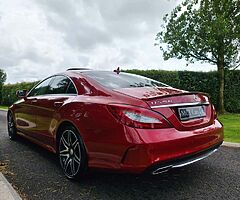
40, 151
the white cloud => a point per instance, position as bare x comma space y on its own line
43, 37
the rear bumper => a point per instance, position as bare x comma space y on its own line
181, 162
169, 148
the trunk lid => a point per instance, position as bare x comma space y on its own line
184, 110
146, 93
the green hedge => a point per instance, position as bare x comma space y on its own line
9, 91
186, 80
201, 81
232, 94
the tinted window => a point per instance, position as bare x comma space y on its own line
41, 89
59, 85
113, 80
71, 88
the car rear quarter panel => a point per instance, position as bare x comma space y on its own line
105, 139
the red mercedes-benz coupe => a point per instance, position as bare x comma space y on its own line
116, 121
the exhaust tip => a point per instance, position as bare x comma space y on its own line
162, 170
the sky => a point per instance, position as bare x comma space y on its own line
43, 37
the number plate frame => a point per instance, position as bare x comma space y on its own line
191, 112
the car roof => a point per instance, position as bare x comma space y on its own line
80, 71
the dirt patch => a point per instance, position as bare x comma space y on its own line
3, 166
21, 194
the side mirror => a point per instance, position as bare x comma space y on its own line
21, 94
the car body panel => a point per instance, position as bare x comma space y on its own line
172, 144
150, 92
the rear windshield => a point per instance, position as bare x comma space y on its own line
113, 80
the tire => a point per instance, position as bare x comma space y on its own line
12, 131
72, 153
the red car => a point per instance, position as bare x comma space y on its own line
116, 121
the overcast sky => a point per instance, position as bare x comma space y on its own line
43, 37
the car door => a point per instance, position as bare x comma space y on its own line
25, 109
61, 90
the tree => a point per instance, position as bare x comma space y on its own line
204, 30
3, 77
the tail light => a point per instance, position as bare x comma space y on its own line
214, 112
138, 117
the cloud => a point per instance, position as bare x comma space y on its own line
43, 37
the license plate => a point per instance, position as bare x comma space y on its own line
187, 113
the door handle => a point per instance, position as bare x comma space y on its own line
34, 101
58, 104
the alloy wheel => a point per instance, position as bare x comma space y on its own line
70, 153
11, 127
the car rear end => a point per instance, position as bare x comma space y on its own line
190, 132
174, 129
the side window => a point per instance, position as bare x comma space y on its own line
71, 88
59, 85
40, 89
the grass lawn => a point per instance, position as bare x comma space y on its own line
3, 107
231, 124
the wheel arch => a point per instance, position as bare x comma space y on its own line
63, 124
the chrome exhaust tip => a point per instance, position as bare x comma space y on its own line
162, 170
